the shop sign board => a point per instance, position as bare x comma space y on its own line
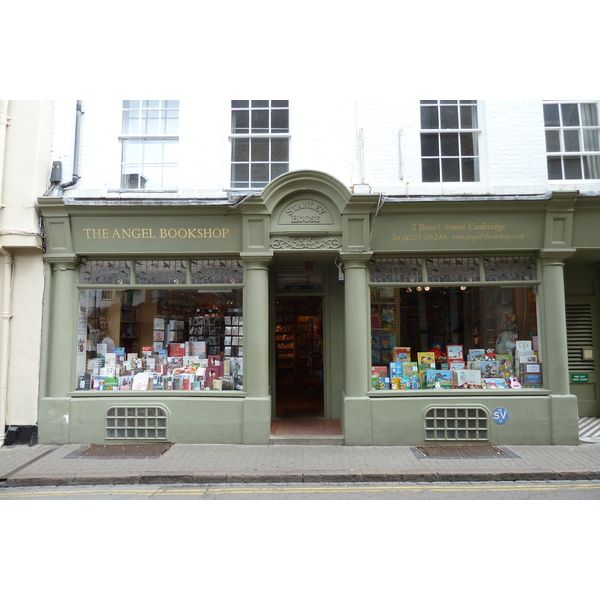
476, 230
164, 234
580, 378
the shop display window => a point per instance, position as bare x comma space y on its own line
455, 336
159, 338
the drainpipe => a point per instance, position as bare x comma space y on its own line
5, 301
76, 177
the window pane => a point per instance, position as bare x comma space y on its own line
450, 169
170, 177
260, 121
279, 169
259, 175
589, 115
279, 121
570, 115
279, 103
470, 169
449, 144
552, 140
260, 150
468, 144
171, 122
572, 168
131, 151
551, 118
151, 151
240, 104
554, 168
240, 149
429, 117
260, 104
591, 166
131, 123
431, 169
571, 140
240, 175
170, 149
468, 117
280, 150
150, 103
178, 328
153, 176
131, 103
591, 140
150, 122
240, 121
449, 117
430, 144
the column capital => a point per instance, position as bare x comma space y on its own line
555, 255
256, 260
355, 260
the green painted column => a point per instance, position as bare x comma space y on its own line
556, 363
62, 329
257, 405
357, 411
563, 405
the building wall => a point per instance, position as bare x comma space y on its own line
329, 137
25, 177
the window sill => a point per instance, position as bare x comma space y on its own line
457, 392
167, 393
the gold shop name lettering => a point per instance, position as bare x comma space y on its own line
138, 233
464, 227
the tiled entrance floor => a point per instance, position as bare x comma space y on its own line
306, 426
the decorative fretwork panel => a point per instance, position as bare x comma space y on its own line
136, 423
396, 270
510, 268
160, 272
217, 271
107, 272
451, 269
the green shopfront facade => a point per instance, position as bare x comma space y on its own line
194, 297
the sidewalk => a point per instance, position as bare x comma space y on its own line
52, 465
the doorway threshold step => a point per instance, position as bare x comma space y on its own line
307, 440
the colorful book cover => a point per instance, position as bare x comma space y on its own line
379, 371
456, 365
476, 354
426, 358
401, 354
396, 383
489, 369
494, 382
454, 352
384, 383
410, 369
396, 369
434, 379
374, 382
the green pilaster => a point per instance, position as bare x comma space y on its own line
357, 412
257, 405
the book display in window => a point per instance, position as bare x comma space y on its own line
161, 340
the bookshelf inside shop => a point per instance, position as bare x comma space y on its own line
299, 343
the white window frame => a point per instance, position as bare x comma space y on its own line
255, 136
460, 156
562, 138
132, 172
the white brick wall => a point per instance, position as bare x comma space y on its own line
325, 135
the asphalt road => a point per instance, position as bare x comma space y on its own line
520, 490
